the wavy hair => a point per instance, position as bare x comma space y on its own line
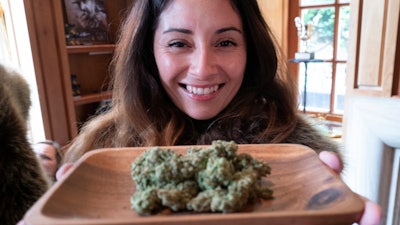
264, 110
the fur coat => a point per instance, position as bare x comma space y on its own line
22, 180
305, 133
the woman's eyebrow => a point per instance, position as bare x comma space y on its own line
225, 29
180, 30
187, 31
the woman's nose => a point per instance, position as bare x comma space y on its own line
203, 63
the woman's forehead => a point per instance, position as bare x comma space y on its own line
194, 13
44, 149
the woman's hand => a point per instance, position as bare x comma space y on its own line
372, 211
62, 170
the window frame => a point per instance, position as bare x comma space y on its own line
293, 44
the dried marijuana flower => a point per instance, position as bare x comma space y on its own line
213, 179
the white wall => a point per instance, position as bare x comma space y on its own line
372, 154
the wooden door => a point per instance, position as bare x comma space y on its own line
373, 48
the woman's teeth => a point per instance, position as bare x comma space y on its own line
201, 91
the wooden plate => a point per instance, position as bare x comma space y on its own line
98, 188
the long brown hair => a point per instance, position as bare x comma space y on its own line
264, 110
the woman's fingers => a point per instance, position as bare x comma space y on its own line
63, 169
372, 213
332, 160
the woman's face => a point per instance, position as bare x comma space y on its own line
47, 157
200, 51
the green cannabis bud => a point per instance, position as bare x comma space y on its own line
213, 179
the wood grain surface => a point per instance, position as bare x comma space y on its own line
97, 190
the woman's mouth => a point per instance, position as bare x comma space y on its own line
202, 90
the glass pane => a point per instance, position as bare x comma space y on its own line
322, 20
318, 86
340, 88
315, 2
344, 1
343, 35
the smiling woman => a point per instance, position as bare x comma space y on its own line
188, 72
200, 64
206, 76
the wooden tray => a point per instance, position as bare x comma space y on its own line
97, 190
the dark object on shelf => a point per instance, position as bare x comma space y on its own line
76, 87
72, 35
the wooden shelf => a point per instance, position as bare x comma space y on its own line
91, 49
92, 98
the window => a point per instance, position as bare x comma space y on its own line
15, 52
329, 40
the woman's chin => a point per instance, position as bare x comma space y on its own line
198, 115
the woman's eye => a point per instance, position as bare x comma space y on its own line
177, 44
227, 43
45, 157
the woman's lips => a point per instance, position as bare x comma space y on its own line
202, 90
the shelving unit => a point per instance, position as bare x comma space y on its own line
90, 66
91, 49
